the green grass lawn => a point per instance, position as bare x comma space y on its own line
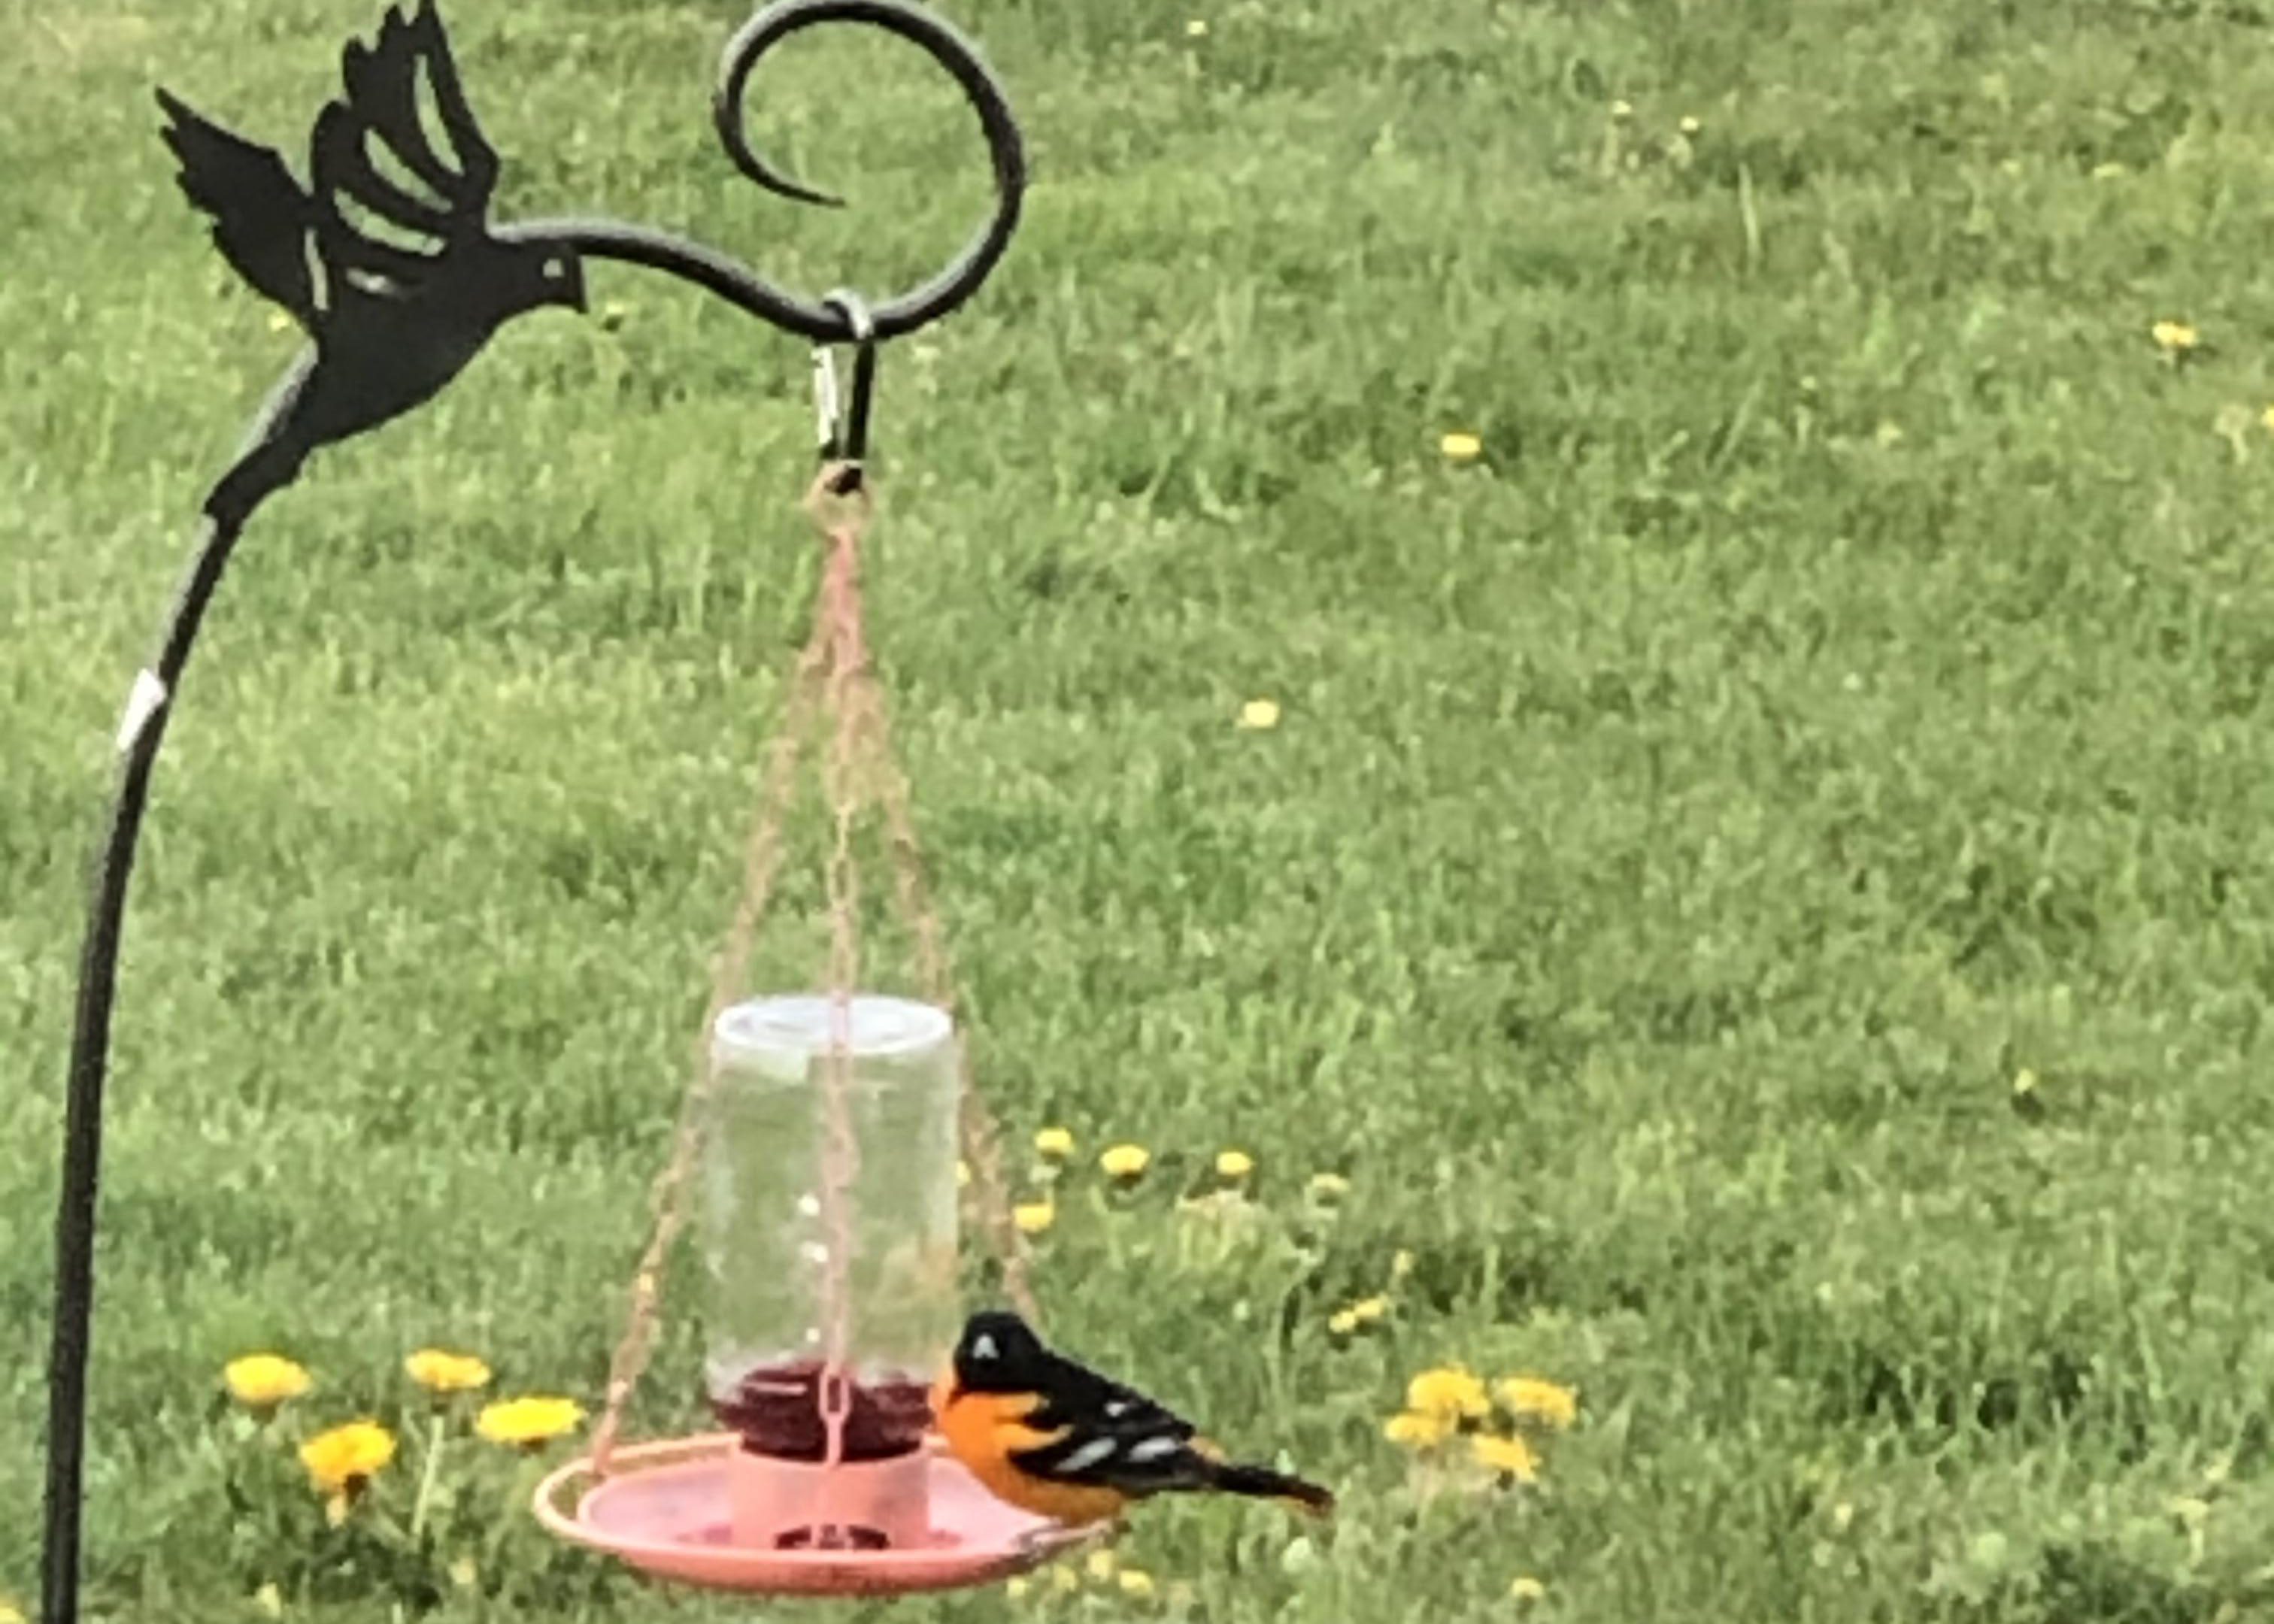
1761, 881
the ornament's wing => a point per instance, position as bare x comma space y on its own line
383, 82
261, 217
385, 178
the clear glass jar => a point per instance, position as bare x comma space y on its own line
764, 1222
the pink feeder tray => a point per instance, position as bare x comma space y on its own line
669, 1508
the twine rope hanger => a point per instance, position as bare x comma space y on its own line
832, 673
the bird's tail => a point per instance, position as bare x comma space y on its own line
1264, 1484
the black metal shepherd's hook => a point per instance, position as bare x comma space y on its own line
388, 328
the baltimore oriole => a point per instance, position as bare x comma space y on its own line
1058, 1440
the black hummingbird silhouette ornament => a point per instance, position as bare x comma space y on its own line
389, 326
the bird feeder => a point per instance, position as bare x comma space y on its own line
821, 1131
817, 1264
827, 1229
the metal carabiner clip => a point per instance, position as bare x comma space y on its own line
842, 428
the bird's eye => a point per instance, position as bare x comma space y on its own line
983, 1348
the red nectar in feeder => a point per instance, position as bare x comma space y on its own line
828, 1226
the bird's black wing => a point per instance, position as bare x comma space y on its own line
1111, 1436
436, 195
260, 216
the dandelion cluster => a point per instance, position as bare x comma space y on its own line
344, 1470
1498, 1421
1124, 1167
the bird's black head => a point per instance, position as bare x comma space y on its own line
997, 1353
549, 273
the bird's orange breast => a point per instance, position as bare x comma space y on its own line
983, 1430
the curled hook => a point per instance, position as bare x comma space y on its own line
821, 321
943, 45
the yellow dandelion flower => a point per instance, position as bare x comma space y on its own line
962, 1174
268, 1601
1259, 715
1197, 28
1100, 1565
463, 1574
1234, 1164
1448, 1391
1125, 1161
2174, 337
1064, 1578
1401, 1264
1531, 1397
1416, 1430
1352, 1317
525, 1423
9, 1613
339, 1461
1134, 1581
1622, 109
1511, 1457
1689, 125
445, 1372
1333, 1186
1460, 447
1034, 1217
1016, 1588
264, 1380
2267, 418
1523, 1587
1056, 1143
